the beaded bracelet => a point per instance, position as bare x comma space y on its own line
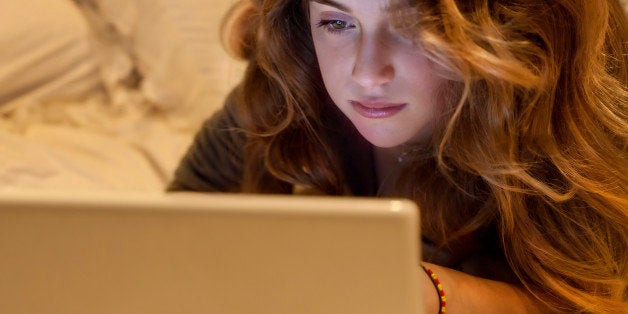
439, 289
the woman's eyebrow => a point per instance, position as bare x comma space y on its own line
333, 3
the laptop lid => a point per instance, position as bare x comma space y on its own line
207, 253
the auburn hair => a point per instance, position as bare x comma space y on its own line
534, 138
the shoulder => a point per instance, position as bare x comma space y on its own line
214, 161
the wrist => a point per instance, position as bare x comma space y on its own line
470, 294
440, 304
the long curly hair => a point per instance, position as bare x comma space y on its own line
534, 138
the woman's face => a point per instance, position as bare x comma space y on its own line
379, 79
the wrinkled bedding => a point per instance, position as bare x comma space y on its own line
102, 96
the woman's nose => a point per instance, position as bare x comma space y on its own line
373, 65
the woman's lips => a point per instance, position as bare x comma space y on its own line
376, 110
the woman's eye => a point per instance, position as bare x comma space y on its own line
338, 24
335, 25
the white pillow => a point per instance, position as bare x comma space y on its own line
175, 46
45, 52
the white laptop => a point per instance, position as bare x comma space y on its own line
207, 253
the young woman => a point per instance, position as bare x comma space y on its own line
505, 120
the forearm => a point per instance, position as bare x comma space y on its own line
469, 294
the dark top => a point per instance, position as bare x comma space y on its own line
214, 163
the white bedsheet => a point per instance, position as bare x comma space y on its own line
87, 146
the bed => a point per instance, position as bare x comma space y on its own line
106, 95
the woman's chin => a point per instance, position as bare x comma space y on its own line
383, 140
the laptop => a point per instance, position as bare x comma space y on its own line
207, 253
